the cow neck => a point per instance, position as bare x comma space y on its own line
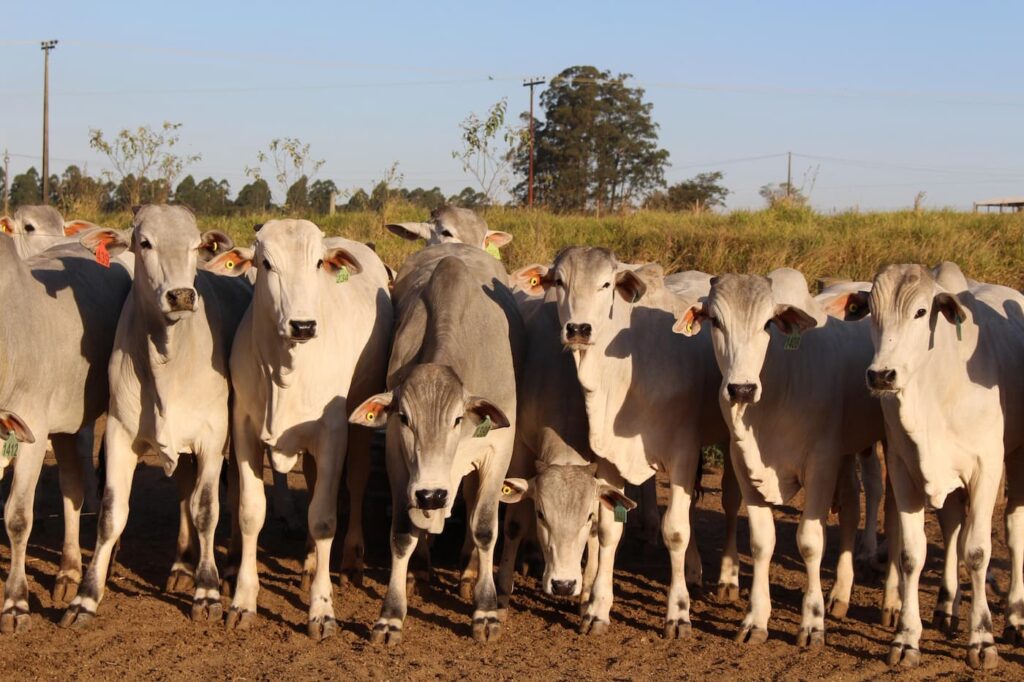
165, 341
20, 325
597, 368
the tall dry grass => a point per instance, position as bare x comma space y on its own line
989, 247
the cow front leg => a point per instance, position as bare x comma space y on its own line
182, 575
72, 488
358, 473
675, 531
517, 516
469, 558
849, 518
484, 520
981, 648
1014, 630
252, 512
905, 649
590, 568
892, 595
871, 480
819, 489
729, 574
323, 523
946, 617
388, 628
85, 440
597, 612
18, 517
204, 507
754, 629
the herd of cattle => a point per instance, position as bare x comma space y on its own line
551, 388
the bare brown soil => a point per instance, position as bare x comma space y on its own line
145, 633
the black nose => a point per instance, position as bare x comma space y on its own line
563, 588
881, 379
181, 299
741, 393
302, 329
580, 331
431, 499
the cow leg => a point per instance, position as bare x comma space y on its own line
892, 596
849, 518
676, 533
729, 574
905, 648
981, 648
182, 575
404, 538
18, 516
252, 512
309, 564
871, 479
650, 517
819, 490
484, 520
1014, 630
946, 618
358, 464
762, 546
323, 524
282, 504
121, 463
591, 566
73, 493
517, 517
597, 613
204, 508
230, 573
469, 558
85, 440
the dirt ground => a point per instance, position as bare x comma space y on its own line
145, 633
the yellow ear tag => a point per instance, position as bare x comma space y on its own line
370, 416
230, 264
213, 247
689, 328
506, 490
534, 281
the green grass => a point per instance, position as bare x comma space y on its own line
988, 247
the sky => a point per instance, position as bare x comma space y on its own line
877, 101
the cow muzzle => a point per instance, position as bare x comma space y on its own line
182, 300
741, 394
301, 330
577, 334
431, 499
563, 588
881, 380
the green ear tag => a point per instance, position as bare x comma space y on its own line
620, 513
483, 428
493, 250
792, 341
959, 329
11, 446
342, 275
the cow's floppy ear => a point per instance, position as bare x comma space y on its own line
688, 323
411, 231
115, 241
949, 305
12, 423
234, 262
497, 239
373, 412
534, 279
74, 227
629, 286
610, 497
515, 489
337, 258
214, 242
850, 306
482, 408
792, 320
7, 225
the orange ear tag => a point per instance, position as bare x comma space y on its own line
102, 255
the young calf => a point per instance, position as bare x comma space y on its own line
450, 224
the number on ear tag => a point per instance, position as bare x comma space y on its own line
620, 513
102, 255
792, 341
10, 446
342, 275
483, 428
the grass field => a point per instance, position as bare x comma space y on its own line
988, 247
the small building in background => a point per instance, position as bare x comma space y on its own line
1013, 204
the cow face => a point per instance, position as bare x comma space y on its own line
566, 500
450, 224
907, 306
427, 417
742, 309
33, 228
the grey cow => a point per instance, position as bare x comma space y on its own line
56, 387
451, 408
168, 392
451, 224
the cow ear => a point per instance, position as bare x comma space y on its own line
337, 258
480, 409
373, 412
629, 286
792, 320
115, 241
74, 227
497, 239
611, 497
411, 231
12, 423
6, 225
949, 305
135, 209
233, 262
214, 242
688, 324
515, 489
850, 306
534, 279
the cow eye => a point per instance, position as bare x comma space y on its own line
447, 233
145, 244
716, 323
920, 313
606, 285
319, 263
404, 418
29, 227
559, 282
540, 515
591, 517
266, 264
458, 421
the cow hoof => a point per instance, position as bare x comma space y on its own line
14, 621
240, 619
678, 629
1013, 635
727, 593
65, 589
76, 617
810, 639
351, 576
946, 623
890, 617
207, 609
486, 629
751, 634
388, 635
838, 609
592, 626
466, 588
904, 655
179, 580
983, 657
322, 627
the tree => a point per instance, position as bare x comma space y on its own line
254, 197
481, 155
288, 159
597, 147
782, 195
297, 198
387, 191
701, 192
26, 189
424, 198
141, 154
79, 193
208, 196
359, 201
469, 198
320, 195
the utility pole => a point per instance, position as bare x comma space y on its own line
530, 84
7, 183
46, 46
789, 175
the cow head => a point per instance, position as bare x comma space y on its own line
33, 228
427, 416
566, 500
742, 310
452, 224
908, 308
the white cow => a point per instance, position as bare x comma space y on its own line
313, 343
168, 393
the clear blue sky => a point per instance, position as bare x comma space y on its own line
893, 97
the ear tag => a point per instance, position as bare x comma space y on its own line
534, 281
852, 308
229, 264
792, 341
493, 250
10, 446
959, 329
483, 428
506, 490
620, 513
213, 247
102, 255
371, 415
689, 328
342, 275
